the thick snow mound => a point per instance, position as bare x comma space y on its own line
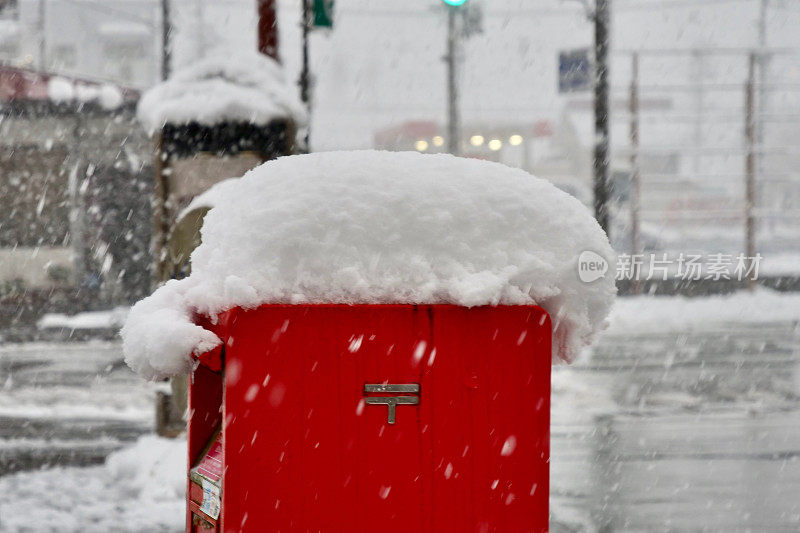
154, 468
110, 319
379, 227
140, 488
238, 87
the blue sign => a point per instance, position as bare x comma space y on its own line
574, 71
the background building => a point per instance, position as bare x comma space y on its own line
75, 194
114, 40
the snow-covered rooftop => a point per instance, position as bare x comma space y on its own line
237, 87
379, 227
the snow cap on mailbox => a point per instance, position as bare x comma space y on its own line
369, 227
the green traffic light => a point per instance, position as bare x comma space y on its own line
455, 2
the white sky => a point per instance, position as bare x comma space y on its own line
381, 65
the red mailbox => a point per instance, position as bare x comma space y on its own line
412, 418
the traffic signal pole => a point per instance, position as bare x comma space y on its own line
601, 112
453, 118
305, 72
305, 77
165, 35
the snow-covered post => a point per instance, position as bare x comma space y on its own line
213, 120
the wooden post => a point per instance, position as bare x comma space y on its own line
160, 217
750, 166
169, 408
636, 178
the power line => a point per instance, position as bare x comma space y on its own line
713, 87
719, 51
567, 10
656, 4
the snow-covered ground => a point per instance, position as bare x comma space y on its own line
669, 313
140, 488
781, 264
71, 380
74, 404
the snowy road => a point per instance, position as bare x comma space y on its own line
680, 432
68, 404
659, 430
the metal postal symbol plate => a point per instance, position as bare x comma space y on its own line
392, 401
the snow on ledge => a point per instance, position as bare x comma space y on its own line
110, 319
238, 87
379, 227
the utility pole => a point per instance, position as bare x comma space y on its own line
452, 57
763, 64
305, 74
601, 115
698, 63
763, 93
165, 46
268, 29
42, 36
636, 178
750, 165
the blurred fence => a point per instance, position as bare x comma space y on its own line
716, 168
